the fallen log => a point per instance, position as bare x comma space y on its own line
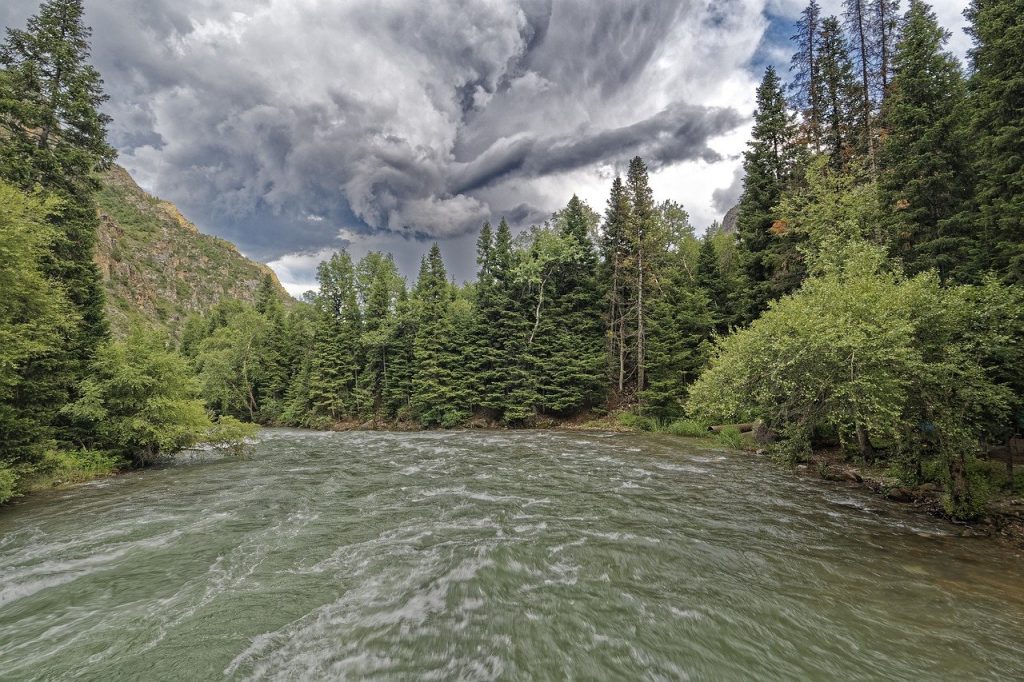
742, 428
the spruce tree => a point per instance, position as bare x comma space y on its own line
924, 163
839, 96
438, 396
54, 136
614, 249
767, 165
641, 238
860, 27
885, 19
711, 280
996, 129
567, 345
336, 359
513, 395
806, 86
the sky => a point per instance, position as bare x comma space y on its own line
296, 128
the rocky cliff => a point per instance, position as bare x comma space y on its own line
157, 267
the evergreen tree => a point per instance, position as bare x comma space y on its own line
642, 243
52, 136
566, 343
274, 350
767, 164
512, 395
860, 27
924, 164
379, 285
714, 285
681, 326
34, 318
614, 249
885, 18
996, 128
336, 363
397, 392
438, 395
839, 96
806, 83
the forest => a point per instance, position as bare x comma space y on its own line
869, 297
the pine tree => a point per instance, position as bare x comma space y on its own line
885, 18
806, 85
641, 240
711, 280
614, 248
566, 344
439, 396
859, 26
996, 129
336, 362
767, 164
924, 164
839, 95
54, 136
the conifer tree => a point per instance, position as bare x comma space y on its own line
614, 249
885, 19
806, 83
839, 96
767, 164
336, 362
566, 344
641, 240
924, 163
438, 397
54, 136
711, 280
681, 325
859, 26
996, 129
513, 396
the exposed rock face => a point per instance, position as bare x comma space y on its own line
729, 221
157, 267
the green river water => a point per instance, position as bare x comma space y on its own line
494, 555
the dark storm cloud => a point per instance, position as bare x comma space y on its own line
676, 134
276, 123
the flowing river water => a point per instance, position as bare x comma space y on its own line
494, 555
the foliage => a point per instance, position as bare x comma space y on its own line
688, 428
730, 437
883, 360
140, 400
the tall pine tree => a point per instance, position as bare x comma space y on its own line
924, 163
996, 128
767, 164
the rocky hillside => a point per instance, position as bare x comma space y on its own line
157, 267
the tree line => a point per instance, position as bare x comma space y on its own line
870, 297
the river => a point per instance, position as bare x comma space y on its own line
495, 555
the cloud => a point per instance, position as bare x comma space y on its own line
282, 124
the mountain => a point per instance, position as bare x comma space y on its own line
157, 267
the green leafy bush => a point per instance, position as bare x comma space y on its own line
8, 483
636, 422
